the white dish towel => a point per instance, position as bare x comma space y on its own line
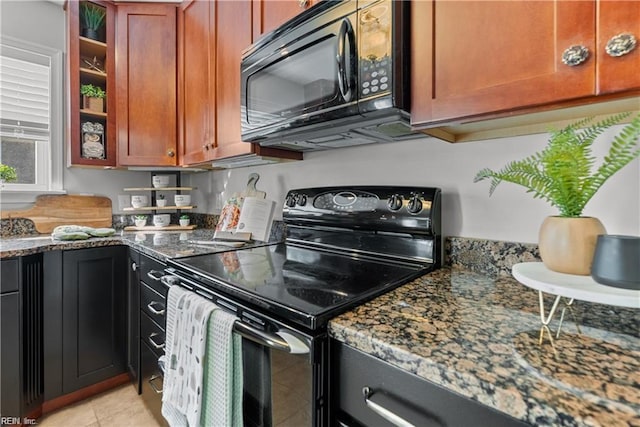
186, 332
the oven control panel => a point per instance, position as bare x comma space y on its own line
375, 207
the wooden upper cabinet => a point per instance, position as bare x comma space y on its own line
616, 20
270, 14
196, 81
146, 95
472, 58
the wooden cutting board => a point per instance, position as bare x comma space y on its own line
50, 211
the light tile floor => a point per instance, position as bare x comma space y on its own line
114, 408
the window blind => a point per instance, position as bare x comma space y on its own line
24, 94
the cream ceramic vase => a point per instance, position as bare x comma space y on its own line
567, 245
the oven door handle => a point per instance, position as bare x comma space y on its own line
281, 341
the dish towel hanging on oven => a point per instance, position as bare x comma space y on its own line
203, 370
222, 396
186, 332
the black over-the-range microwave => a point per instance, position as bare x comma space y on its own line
334, 76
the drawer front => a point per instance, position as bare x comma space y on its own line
151, 271
152, 383
153, 304
410, 397
151, 334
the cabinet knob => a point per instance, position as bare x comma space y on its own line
303, 4
134, 266
575, 55
171, 152
621, 44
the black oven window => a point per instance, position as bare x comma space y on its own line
304, 81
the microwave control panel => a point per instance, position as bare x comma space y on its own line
375, 34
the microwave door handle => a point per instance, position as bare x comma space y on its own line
346, 82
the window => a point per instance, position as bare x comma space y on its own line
31, 115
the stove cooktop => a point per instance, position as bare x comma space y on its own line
304, 285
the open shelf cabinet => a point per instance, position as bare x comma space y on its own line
91, 132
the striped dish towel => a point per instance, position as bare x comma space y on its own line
222, 395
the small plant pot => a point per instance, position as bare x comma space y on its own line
93, 104
161, 203
184, 222
140, 222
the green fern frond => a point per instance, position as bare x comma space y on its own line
561, 173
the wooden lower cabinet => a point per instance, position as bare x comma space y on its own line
405, 395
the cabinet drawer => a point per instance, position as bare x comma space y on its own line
153, 304
152, 383
150, 273
151, 334
9, 275
410, 397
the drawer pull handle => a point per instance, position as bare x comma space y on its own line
385, 413
155, 275
153, 343
152, 379
153, 310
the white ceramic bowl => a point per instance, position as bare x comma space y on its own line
161, 220
139, 201
160, 181
182, 199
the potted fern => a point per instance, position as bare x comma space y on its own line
92, 17
562, 174
93, 97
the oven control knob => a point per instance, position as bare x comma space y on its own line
302, 200
395, 202
291, 200
415, 205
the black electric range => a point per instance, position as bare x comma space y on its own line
344, 246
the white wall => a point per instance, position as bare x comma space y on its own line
43, 22
468, 211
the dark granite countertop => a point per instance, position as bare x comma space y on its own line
159, 244
478, 337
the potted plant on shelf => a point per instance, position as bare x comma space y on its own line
562, 175
93, 97
184, 220
92, 17
140, 220
161, 202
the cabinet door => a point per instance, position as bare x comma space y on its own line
146, 97
473, 58
233, 30
93, 320
270, 14
618, 73
196, 80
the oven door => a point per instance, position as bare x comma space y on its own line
304, 76
284, 370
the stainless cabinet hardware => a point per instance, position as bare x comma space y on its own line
152, 341
155, 275
152, 379
621, 44
384, 412
151, 308
575, 55
134, 266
